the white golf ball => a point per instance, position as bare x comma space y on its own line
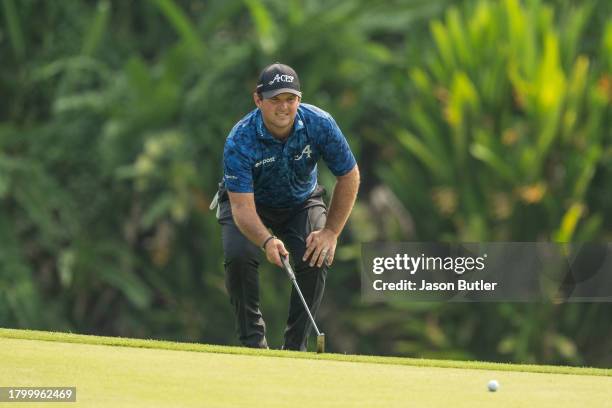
493, 385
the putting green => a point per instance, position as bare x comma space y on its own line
144, 373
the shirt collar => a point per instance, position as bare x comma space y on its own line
263, 133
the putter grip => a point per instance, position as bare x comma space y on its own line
287, 267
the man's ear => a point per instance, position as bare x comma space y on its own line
257, 99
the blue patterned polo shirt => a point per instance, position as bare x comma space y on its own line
284, 173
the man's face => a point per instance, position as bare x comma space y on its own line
279, 112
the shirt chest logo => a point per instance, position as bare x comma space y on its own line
265, 161
306, 152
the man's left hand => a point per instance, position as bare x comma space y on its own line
321, 247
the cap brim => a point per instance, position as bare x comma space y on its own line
274, 92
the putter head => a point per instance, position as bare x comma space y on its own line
321, 343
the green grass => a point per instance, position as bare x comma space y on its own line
145, 373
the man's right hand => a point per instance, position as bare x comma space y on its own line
274, 249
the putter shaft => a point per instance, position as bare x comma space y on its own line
295, 285
291, 274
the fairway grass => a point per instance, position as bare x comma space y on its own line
144, 373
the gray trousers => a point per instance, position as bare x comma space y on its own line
242, 259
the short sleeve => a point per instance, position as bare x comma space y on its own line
237, 173
336, 150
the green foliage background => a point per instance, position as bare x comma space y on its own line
471, 120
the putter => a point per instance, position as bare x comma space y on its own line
320, 336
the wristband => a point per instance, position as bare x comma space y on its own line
263, 246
